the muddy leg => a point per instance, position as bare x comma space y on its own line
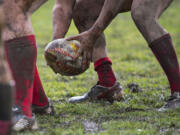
6, 92
145, 14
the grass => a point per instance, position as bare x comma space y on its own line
133, 62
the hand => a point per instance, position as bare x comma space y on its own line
87, 41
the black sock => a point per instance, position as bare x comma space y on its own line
6, 98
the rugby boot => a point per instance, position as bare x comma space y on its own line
98, 92
172, 103
48, 109
21, 122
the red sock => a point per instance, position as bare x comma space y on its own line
105, 73
5, 127
39, 96
164, 51
21, 55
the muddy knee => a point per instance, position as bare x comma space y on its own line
147, 23
141, 18
145, 14
86, 12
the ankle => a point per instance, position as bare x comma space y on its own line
105, 73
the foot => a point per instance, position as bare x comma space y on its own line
172, 103
25, 123
21, 122
48, 109
99, 92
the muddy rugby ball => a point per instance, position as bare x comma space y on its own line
59, 56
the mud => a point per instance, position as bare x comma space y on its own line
91, 126
134, 87
59, 101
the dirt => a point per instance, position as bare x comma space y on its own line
91, 126
134, 87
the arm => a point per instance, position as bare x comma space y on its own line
88, 38
62, 16
35, 5
108, 12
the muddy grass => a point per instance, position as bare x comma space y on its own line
91, 126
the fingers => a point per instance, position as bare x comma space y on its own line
79, 53
86, 59
72, 38
80, 50
89, 56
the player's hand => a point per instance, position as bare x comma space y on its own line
87, 41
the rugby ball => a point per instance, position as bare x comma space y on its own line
59, 55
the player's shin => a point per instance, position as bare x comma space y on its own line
39, 96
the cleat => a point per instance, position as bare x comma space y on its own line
48, 109
78, 98
98, 92
172, 103
25, 123
21, 122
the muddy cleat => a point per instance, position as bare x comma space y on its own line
25, 123
99, 92
172, 103
21, 122
48, 109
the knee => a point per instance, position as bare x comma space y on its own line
139, 16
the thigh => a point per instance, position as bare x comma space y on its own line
125, 5
150, 8
86, 12
5, 76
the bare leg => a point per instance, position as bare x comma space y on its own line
5, 75
145, 14
5, 90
